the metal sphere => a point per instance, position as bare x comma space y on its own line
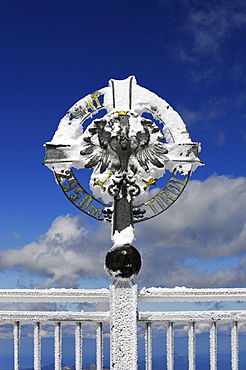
123, 262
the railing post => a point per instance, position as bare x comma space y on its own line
213, 346
234, 345
148, 346
37, 346
16, 345
192, 346
170, 347
78, 346
58, 346
99, 346
123, 325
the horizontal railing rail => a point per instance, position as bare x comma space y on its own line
28, 317
180, 294
79, 319
54, 295
144, 295
190, 316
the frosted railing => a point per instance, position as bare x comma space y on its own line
59, 318
192, 318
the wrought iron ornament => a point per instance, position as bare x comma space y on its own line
129, 137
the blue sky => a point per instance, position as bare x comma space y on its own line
190, 53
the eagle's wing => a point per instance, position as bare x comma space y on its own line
98, 153
147, 152
150, 154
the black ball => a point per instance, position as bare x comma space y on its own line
123, 262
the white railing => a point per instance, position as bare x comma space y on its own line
147, 318
57, 318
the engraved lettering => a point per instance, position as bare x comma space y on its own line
71, 184
182, 182
166, 197
170, 187
95, 212
74, 198
60, 176
95, 98
78, 112
151, 205
176, 187
159, 201
92, 106
85, 202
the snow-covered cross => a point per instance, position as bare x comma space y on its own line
129, 137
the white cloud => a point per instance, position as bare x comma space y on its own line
62, 255
209, 214
208, 221
208, 27
207, 36
209, 111
211, 24
221, 138
15, 234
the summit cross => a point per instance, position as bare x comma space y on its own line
128, 137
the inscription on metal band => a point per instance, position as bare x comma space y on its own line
79, 196
165, 198
91, 105
95, 208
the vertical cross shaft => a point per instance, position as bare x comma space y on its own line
123, 260
122, 209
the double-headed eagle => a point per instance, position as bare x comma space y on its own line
123, 143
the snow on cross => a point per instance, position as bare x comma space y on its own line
129, 137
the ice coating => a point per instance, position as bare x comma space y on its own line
123, 322
152, 294
54, 295
126, 236
37, 345
213, 345
234, 345
142, 101
127, 317
64, 150
58, 345
192, 345
183, 294
128, 148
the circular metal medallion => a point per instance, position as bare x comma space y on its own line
122, 131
